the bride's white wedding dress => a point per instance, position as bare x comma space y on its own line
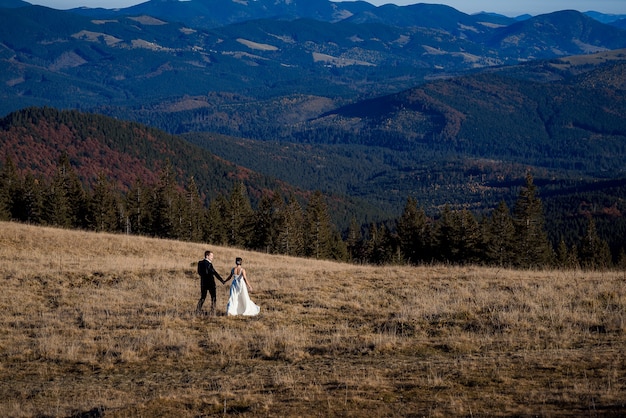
239, 302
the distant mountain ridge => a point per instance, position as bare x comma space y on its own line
116, 59
208, 14
546, 35
213, 13
11, 4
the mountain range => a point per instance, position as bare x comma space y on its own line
155, 54
371, 103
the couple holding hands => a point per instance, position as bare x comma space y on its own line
239, 302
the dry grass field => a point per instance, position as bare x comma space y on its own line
103, 325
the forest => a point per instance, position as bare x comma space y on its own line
508, 237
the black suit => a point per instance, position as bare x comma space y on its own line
207, 283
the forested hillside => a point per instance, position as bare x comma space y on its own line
125, 153
128, 155
100, 182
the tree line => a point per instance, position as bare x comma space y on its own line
284, 225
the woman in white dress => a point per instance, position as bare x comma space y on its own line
239, 302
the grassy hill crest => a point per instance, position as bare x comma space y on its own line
103, 325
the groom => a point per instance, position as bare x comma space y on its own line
207, 281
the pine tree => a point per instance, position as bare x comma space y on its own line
379, 245
291, 232
78, 205
163, 205
56, 201
192, 213
66, 200
267, 223
573, 260
9, 185
240, 217
370, 243
29, 201
532, 248
216, 231
500, 237
594, 252
562, 254
413, 233
318, 228
354, 242
278, 207
446, 236
339, 249
103, 206
621, 259
136, 210
469, 237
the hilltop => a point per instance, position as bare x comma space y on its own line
97, 324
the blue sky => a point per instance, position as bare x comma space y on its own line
505, 7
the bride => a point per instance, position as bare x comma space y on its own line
239, 302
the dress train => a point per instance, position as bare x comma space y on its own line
239, 302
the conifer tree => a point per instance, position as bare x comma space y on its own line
216, 231
29, 201
9, 184
267, 223
136, 209
447, 236
66, 199
291, 232
339, 249
354, 242
594, 252
318, 228
192, 213
469, 237
163, 204
562, 254
413, 233
77, 199
621, 259
573, 260
370, 242
240, 217
103, 206
499, 237
379, 244
56, 200
278, 207
532, 248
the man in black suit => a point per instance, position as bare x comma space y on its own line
207, 281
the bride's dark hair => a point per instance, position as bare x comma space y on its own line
238, 261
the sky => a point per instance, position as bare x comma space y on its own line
510, 8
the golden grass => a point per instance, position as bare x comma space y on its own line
103, 325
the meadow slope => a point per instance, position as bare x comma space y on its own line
103, 325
